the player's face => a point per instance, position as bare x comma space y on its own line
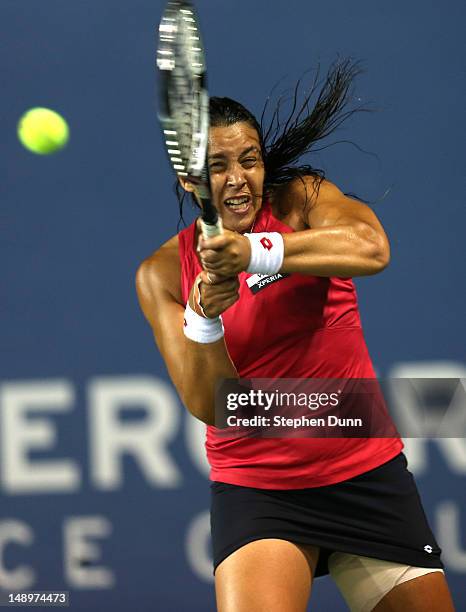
236, 174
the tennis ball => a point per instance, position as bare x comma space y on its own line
43, 131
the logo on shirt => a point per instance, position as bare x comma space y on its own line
257, 282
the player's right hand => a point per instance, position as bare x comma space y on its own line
215, 294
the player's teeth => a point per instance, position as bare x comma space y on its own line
238, 202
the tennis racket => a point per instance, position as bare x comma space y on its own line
184, 103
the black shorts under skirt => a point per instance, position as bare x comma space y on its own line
376, 514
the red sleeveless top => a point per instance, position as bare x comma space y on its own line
297, 327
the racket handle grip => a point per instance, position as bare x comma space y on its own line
209, 230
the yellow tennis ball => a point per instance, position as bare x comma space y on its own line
43, 131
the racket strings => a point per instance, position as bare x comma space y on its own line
185, 119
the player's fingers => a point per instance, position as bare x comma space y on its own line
230, 301
213, 267
206, 279
228, 285
218, 302
199, 234
214, 279
210, 278
210, 256
214, 243
218, 298
222, 284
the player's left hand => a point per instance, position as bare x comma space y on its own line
225, 255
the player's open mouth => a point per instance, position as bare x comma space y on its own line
239, 205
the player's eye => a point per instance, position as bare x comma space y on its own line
249, 162
216, 166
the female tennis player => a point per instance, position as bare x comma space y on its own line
286, 510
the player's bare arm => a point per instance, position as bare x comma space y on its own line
345, 237
193, 367
335, 236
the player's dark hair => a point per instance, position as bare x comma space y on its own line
284, 141
225, 111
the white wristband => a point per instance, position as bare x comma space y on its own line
200, 329
267, 252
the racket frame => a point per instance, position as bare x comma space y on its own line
184, 103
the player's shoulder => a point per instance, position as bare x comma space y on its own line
160, 271
309, 189
293, 200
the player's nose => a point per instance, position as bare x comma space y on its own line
236, 179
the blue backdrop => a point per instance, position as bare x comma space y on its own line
103, 481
